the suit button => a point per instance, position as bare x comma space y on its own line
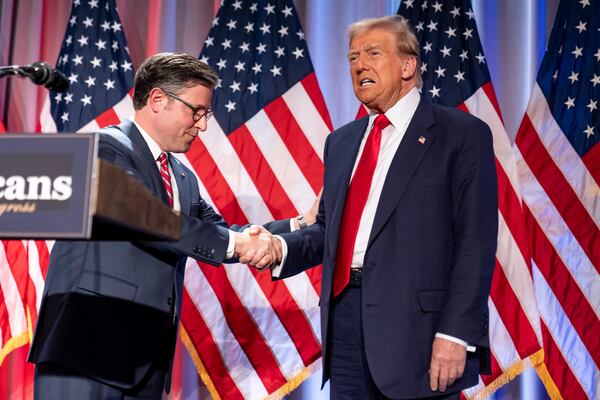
368, 264
212, 253
169, 300
196, 249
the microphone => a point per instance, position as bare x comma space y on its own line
41, 73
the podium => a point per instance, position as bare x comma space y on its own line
54, 186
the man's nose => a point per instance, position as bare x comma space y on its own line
361, 64
201, 124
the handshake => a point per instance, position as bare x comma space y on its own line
257, 247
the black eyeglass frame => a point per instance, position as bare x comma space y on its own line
198, 112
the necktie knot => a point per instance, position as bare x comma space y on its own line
163, 159
381, 122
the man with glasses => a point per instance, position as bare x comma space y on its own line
110, 310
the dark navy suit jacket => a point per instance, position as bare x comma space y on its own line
430, 255
106, 304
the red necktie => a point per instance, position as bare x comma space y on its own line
166, 176
355, 204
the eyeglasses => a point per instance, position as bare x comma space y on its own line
198, 112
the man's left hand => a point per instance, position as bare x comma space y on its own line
447, 363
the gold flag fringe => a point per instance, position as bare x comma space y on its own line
295, 381
513, 371
548, 382
187, 342
12, 344
282, 391
536, 360
17, 341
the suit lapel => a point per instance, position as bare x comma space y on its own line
413, 147
182, 180
342, 159
148, 162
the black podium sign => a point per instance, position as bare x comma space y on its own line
45, 183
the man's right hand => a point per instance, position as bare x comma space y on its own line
257, 247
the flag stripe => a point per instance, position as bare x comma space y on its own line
518, 276
244, 329
482, 107
511, 313
4, 316
12, 299
273, 332
311, 85
108, 117
239, 366
559, 235
227, 161
297, 144
274, 196
280, 299
203, 330
575, 305
271, 145
291, 316
591, 159
558, 189
510, 207
562, 332
209, 174
559, 370
490, 93
308, 117
563, 155
124, 107
501, 341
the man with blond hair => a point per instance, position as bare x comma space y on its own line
406, 233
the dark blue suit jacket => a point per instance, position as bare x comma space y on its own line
430, 255
106, 304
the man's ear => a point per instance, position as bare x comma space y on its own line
156, 99
409, 67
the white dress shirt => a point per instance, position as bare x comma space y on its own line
156, 151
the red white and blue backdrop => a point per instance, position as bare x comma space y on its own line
531, 70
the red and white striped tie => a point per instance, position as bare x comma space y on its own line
166, 176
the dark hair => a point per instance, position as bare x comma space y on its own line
172, 72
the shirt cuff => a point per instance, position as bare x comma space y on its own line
276, 270
292, 227
231, 246
456, 340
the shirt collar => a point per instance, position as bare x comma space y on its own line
152, 145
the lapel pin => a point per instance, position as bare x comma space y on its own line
422, 139
183, 174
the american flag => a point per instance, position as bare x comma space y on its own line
558, 158
259, 160
455, 74
95, 59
